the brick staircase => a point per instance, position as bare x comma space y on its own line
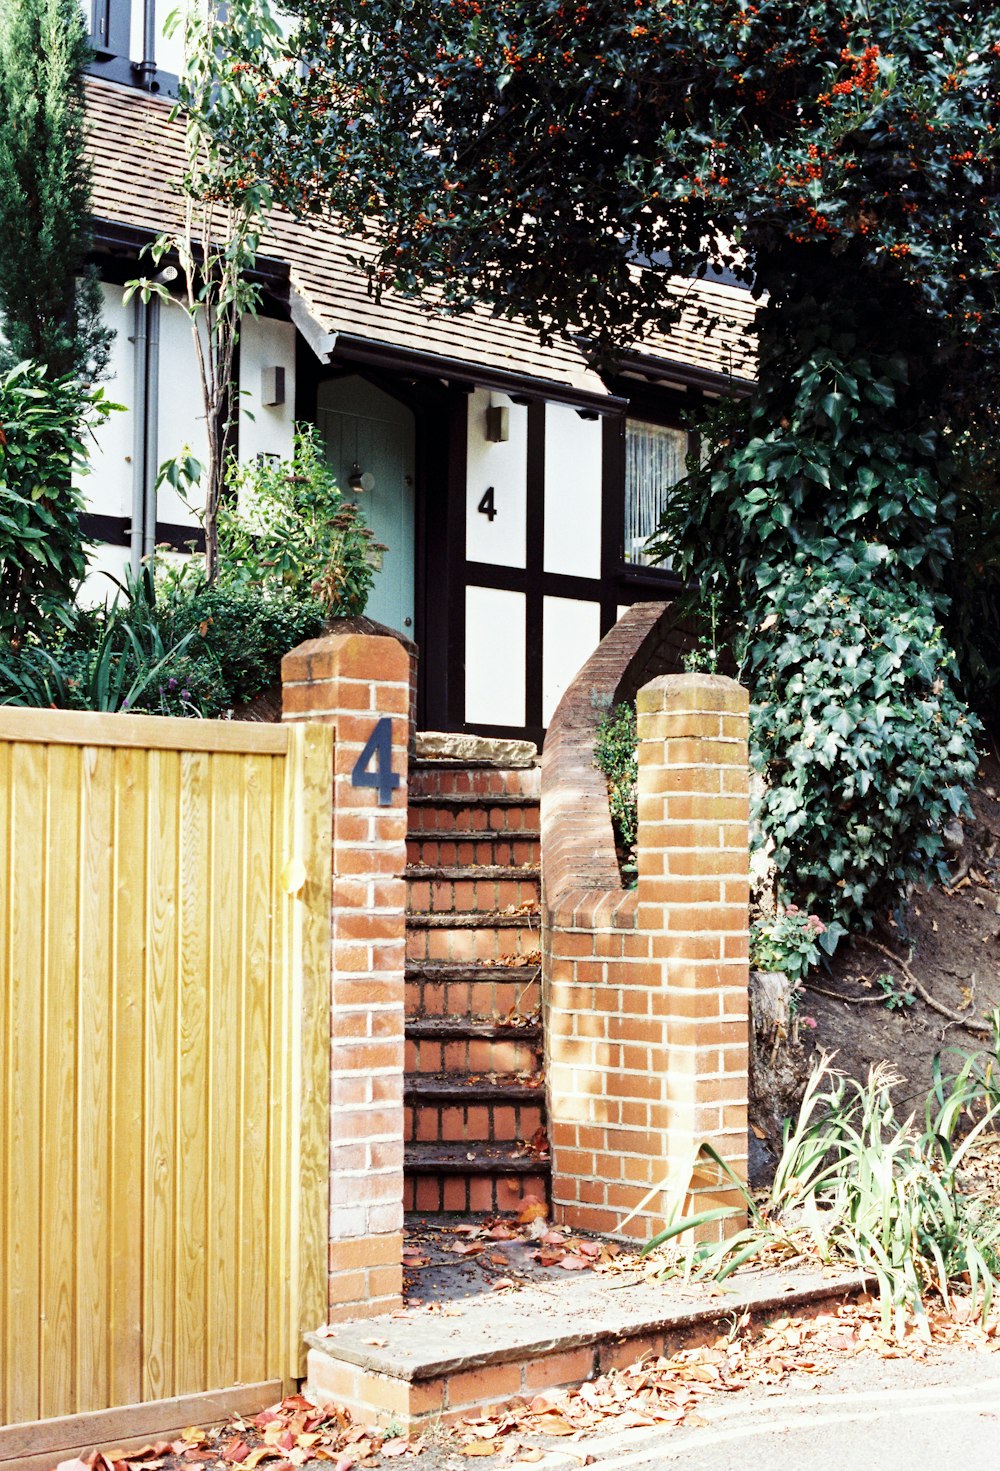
474, 1092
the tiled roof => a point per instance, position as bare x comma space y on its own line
137, 153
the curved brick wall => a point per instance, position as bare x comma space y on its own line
645, 990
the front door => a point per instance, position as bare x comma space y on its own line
369, 439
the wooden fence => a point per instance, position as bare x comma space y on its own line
164, 1080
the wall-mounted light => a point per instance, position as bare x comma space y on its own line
272, 387
360, 480
497, 424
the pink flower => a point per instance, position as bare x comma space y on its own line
808, 1021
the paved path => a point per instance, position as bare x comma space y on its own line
865, 1416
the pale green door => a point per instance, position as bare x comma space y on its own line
368, 433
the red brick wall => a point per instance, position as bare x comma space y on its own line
350, 681
646, 990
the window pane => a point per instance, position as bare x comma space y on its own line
654, 461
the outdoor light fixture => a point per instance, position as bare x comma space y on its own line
497, 424
360, 481
272, 387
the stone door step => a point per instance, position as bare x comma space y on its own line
440, 1364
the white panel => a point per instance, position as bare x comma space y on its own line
265, 343
107, 490
505, 468
571, 631
573, 465
181, 420
169, 49
104, 562
494, 656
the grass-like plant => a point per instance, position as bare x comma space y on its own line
857, 1185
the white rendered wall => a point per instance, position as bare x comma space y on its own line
266, 343
573, 480
181, 417
108, 487
494, 662
571, 631
505, 467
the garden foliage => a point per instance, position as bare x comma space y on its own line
856, 1184
43, 423
615, 755
865, 747
50, 300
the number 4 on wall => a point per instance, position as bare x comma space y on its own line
373, 767
487, 506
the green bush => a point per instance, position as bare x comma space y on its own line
286, 529
243, 634
789, 941
865, 747
41, 548
855, 1184
615, 755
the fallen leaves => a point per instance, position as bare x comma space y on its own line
281, 1438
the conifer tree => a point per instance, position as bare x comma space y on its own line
50, 301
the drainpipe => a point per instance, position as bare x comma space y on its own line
152, 417
141, 358
145, 69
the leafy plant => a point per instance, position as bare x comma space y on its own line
615, 755
865, 748
126, 668
857, 1184
789, 941
286, 528
216, 247
896, 997
50, 299
42, 424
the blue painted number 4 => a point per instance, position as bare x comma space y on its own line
373, 767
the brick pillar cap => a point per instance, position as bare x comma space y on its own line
685, 691
352, 655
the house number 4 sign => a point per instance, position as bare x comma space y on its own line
373, 767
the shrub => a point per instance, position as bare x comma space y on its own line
243, 633
865, 747
615, 755
41, 547
856, 1184
789, 941
287, 530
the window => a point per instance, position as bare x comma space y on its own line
109, 27
654, 461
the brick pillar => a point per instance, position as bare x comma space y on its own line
351, 681
693, 904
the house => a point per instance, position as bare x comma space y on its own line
513, 485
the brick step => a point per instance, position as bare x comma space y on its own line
443, 1177
467, 993
488, 846
487, 886
472, 1109
470, 814
471, 778
467, 1045
471, 936
514, 1345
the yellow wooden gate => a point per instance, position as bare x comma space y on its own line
164, 995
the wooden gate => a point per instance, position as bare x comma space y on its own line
164, 1077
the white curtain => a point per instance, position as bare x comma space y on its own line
654, 461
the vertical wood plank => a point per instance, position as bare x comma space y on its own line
193, 1022
226, 1041
160, 1197
310, 799
278, 1075
22, 1165
255, 983
128, 1080
6, 889
93, 1022
61, 1198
